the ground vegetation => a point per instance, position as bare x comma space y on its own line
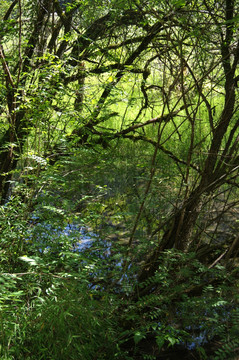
119, 179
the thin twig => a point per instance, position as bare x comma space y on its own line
218, 259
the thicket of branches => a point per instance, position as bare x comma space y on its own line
163, 74
182, 60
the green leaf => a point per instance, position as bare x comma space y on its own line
32, 262
138, 336
160, 341
172, 340
179, 3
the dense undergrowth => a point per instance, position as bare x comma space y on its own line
119, 179
60, 301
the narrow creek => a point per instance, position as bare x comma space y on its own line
48, 240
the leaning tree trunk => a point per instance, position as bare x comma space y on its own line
217, 166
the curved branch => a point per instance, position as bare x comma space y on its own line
10, 9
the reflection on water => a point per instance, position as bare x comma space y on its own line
48, 239
45, 238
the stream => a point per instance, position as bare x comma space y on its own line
48, 240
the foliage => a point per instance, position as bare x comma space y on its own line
118, 179
229, 349
67, 323
60, 304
